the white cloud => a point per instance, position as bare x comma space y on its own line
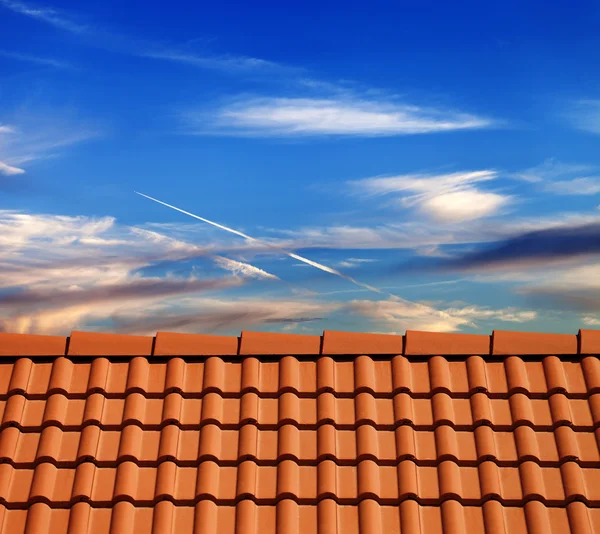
401, 316
47, 15
463, 205
39, 136
591, 321
559, 178
9, 170
451, 197
511, 315
355, 262
42, 250
584, 115
421, 183
223, 62
313, 116
551, 169
588, 185
48, 62
243, 269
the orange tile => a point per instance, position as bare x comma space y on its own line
94, 344
529, 343
31, 345
590, 341
503, 445
176, 344
434, 343
257, 343
358, 343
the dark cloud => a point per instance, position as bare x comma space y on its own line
530, 249
540, 246
580, 300
135, 289
207, 322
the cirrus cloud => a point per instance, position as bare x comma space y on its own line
284, 116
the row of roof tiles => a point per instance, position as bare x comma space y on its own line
382, 376
331, 342
289, 408
231, 447
327, 517
104, 486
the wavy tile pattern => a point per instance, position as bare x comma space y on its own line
191, 434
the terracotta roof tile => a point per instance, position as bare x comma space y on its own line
349, 435
94, 344
589, 341
433, 343
525, 343
31, 345
263, 344
357, 343
170, 344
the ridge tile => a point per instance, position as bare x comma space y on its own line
267, 344
175, 344
589, 342
506, 343
437, 343
351, 343
96, 344
17, 345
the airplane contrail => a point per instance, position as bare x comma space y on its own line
299, 258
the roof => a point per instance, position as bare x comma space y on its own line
269, 433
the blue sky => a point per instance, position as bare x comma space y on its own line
393, 167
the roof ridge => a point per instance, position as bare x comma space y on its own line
412, 343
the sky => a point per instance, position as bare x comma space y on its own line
218, 167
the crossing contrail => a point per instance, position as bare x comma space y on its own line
299, 258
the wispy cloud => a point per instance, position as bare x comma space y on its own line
44, 14
588, 185
243, 269
47, 62
550, 170
9, 170
453, 197
338, 117
584, 115
355, 262
591, 321
105, 38
219, 315
479, 313
229, 63
560, 178
572, 287
401, 316
38, 136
